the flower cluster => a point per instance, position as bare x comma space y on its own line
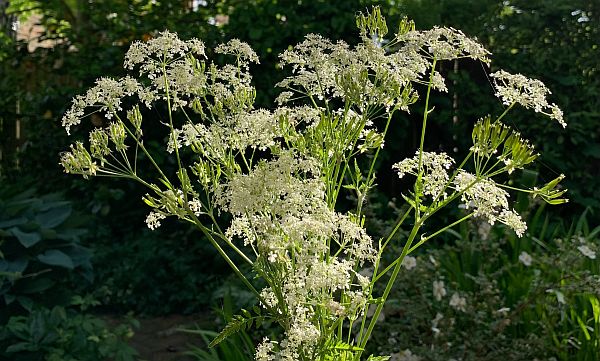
445, 44
435, 168
324, 70
106, 95
164, 48
256, 129
79, 161
279, 210
530, 93
488, 200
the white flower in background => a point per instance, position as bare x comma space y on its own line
409, 262
438, 290
503, 310
433, 261
153, 220
458, 303
586, 251
405, 355
435, 322
525, 258
483, 230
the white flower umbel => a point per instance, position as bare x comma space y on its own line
435, 171
530, 93
488, 201
106, 96
153, 220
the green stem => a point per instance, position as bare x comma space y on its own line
422, 143
364, 338
372, 167
425, 239
505, 111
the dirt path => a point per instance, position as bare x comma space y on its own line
157, 338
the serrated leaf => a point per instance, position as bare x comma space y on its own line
378, 358
347, 347
54, 257
238, 323
27, 239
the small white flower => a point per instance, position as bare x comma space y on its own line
503, 310
438, 290
586, 251
435, 322
272, 257
433, 261
405, 355
458, 303
409, 262
525, 258
195, 206
153, 220
264, 351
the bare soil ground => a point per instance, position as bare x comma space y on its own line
158, 338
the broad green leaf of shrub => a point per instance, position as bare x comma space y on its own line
54, 216
27, 239
55, 257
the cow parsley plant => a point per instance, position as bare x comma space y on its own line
273, 177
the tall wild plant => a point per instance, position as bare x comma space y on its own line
275, 176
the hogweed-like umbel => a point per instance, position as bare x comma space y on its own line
279, 173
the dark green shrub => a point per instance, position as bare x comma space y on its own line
60, 334
40, 250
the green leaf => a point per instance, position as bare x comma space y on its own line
347, 347
9, 298
13, 222
53, 217
237, 324
55, 257
27, 239
21, 346
25, 302
33, 285
378, 358
14, 266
